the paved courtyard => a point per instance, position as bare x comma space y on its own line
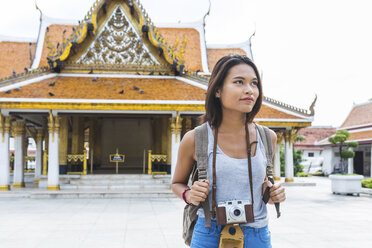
311, 217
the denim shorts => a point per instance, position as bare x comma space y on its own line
203, 237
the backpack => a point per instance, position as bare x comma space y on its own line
199, 172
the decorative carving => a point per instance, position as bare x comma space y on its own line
280, 137
290, 135
75, 158
18, 128
180, 53
7, 124
176, 125
26, 158
159, 158
312, 110
39, 135
118, 43
53, 124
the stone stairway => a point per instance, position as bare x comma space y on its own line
100, 186
119, 182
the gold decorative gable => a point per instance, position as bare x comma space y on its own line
117, 36
118, 43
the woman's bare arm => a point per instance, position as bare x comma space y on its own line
186, 159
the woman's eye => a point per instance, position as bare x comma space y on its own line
255, 83
239, 82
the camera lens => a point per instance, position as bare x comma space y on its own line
236, 212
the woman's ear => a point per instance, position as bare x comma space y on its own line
218, 94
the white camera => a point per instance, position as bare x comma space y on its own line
234, 212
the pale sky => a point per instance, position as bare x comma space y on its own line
303, 47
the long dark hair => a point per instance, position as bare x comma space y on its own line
213, 108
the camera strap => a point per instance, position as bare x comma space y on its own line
249, 153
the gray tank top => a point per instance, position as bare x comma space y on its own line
233, 180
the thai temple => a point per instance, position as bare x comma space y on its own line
113, 94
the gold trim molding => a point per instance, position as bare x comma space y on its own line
284, 124
18, 185
104, 106
53, 187
4, 187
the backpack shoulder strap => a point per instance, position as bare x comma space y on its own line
266, 140
201, 150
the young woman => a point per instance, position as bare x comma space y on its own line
234, 97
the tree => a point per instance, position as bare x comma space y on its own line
339, 139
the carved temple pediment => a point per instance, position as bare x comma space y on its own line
117, 36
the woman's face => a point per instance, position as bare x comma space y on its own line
240, 89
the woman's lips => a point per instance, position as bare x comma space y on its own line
247, 99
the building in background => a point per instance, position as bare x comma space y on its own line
359, 125
115, 81
312, 153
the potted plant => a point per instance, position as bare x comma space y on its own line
344, 183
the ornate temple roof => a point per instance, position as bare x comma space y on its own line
118, 43
54, 35
109, 88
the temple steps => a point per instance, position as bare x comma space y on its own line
96, 186
109, 186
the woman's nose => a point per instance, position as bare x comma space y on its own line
248, 89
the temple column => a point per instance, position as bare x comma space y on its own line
53, 155
39, 154
63, 144
18, 134
4, 153
279, 141
350, 163
289, 170
176, 127
25, 152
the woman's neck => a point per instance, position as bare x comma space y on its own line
232, 122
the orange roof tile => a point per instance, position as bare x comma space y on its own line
193, 60
55, 35
109, 88
360, 135
270, 113
15, 56
215, 54
359, 115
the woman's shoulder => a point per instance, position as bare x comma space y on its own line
188, 143
189, 137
